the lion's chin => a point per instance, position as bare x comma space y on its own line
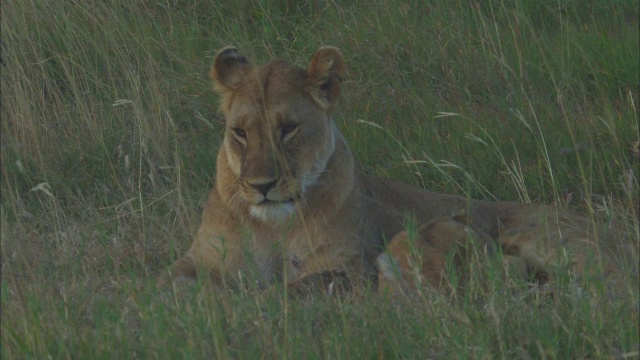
273, 212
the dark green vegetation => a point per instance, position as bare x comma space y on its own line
109, 135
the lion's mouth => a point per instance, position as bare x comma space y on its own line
267, 202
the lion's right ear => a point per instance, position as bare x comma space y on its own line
228, 70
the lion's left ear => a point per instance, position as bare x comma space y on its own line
326, 72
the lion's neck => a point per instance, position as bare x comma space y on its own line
336, 184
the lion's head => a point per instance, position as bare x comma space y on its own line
278, 131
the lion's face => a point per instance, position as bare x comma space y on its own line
278, 134
276, 147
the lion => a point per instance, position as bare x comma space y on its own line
290, 203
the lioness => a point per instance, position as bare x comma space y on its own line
290, 201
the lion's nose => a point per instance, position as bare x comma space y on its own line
263, 186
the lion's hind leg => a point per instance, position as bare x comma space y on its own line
561, 248
421, 260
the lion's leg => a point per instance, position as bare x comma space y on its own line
325, 282
206, 257
183, 267
552, 244
527, 245
415, 261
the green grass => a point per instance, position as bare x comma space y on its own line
108, 143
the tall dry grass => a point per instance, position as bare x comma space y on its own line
109, 135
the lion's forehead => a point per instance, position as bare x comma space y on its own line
294, 107
269, 84
292, 110
271, 96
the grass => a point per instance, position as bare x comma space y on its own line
108, 143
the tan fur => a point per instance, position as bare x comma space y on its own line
416, 260
323, 215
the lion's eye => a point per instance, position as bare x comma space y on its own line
289, 130
240, 135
